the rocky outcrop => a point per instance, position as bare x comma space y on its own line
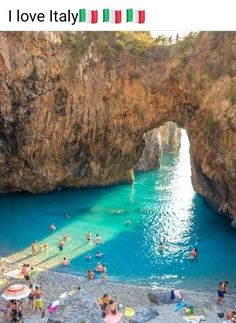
163, 139
74, 108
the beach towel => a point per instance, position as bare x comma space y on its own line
111, 318
13, 273
54, 306
194, 318
129, 311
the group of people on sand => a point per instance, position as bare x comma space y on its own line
13, 311
110, 309
42, 247
221, 291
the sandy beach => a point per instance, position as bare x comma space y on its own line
54, 284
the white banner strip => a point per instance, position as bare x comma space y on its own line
159, 15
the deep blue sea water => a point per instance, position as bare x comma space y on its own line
159, 203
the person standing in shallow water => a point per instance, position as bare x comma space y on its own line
34, 251
98, 239
89, 236
61, 245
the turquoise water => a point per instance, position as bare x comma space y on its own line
159, 203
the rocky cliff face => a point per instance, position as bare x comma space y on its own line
74, 108
163, 139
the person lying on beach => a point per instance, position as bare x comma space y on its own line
65, 262
112, 308
231, 316
52, 227
99, 254
99, 268
90, 274
97, 239
104, 301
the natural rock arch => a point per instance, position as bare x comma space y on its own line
71, 122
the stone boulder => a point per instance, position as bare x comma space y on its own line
144, 315
162, 297
78, 308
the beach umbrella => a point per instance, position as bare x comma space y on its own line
17, 291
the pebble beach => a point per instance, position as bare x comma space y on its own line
54, 284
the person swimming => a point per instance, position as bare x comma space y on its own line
193, 253
65, 262
98, 239
161, 246
99, 254
88, 257
67, 216
128, 222
52, 227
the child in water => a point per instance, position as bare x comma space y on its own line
65, 262
98, 239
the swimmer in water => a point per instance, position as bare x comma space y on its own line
99, 254
97, 239
161, 246
128, 222
193, 253
52, 227
65, 262
68, 216
88, 257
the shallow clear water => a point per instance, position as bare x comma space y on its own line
159, 203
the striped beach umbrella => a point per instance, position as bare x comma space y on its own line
17, 291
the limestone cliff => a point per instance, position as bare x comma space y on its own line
163, 139
74, 108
